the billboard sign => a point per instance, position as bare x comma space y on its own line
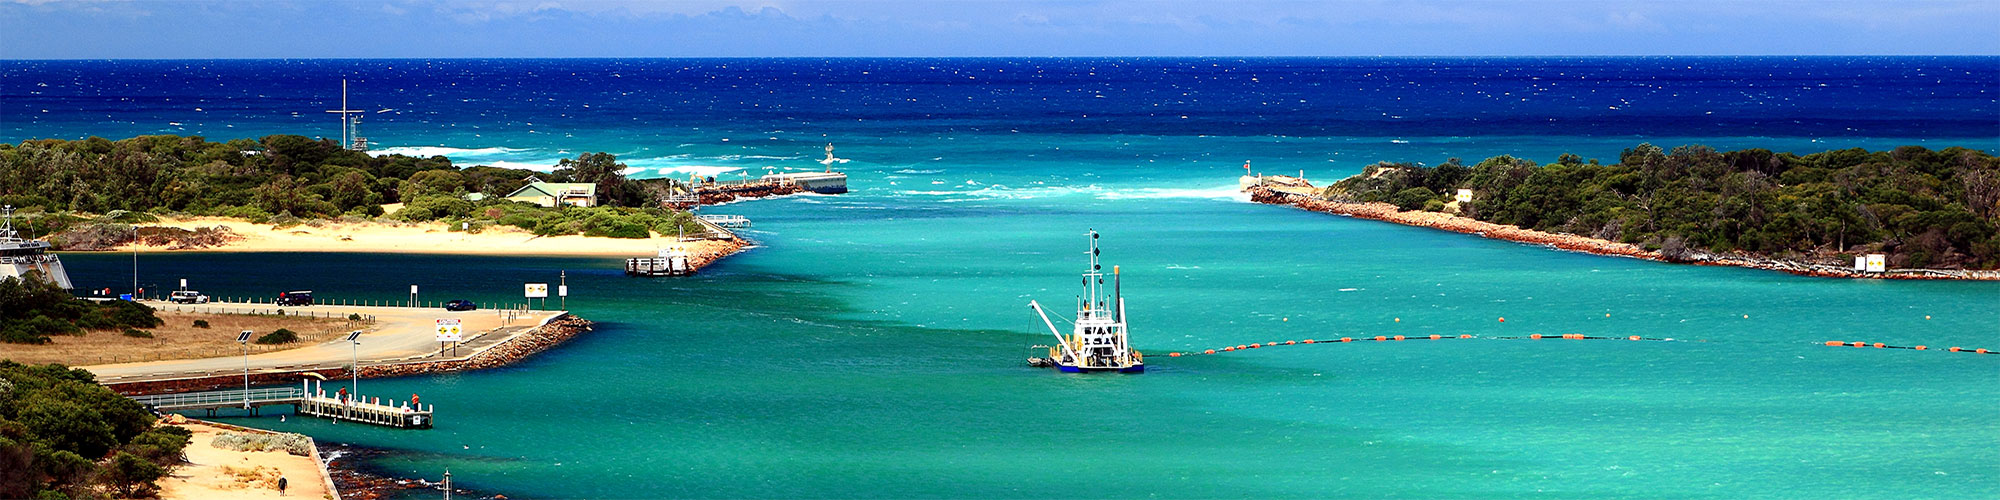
538, 290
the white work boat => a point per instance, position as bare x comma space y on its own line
1097, 338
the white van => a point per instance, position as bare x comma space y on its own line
187, 297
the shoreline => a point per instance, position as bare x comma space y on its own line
424, 238
1435, 220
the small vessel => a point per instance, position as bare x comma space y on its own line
1097, 339
19, 256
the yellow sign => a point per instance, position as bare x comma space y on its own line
538, 290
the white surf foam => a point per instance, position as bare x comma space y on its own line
429, 151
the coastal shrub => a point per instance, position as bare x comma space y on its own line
435, 206
53, 417
354, 316
133, 474
31, 309
281, 336
201, 323
136, 333
249, 213
1412, 198
295, 444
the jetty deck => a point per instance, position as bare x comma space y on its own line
304, 400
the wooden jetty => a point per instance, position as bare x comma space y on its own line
304, 400
728, 221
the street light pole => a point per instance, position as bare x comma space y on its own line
353, 338
244, 338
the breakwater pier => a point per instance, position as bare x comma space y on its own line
402, 341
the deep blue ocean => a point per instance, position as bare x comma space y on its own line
872, 344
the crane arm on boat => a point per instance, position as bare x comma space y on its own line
1060, 341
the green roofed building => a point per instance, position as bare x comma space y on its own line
552, 194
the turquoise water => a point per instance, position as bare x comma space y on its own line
872, 345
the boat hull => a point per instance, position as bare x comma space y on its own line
1072, 369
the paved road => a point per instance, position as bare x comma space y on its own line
400, 333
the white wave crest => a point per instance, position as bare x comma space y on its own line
429, 151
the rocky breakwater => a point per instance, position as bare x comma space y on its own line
1389, 213
709, 251
549, 335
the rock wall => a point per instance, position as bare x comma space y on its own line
1389, 213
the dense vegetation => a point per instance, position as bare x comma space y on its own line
1923, 208
64, 436
32, 309
289, 179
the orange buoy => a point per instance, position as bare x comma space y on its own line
1345, 339
1289, 342
1271, 344
1399, 337
1858, 343
1536, 336
1210, 351
1878, 345
1379, 338
1434, 337
1954, 349
1465, 336
1503, 320
1254, 346
1309, 341
1607, 315
1981, 351
1927, 316
1240, 346
1834, 343
1922, 348
1173, 355
1634, 337
1399, 320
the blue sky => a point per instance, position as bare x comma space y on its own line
89, 29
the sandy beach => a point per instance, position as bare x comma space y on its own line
219, 474
378, 237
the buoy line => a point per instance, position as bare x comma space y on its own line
1565, 336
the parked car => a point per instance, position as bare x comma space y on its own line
460, 305
295, 298
187, 297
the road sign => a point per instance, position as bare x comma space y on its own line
448, 330
562, 291
243, 337
538, 290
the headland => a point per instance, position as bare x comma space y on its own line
1303, 197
